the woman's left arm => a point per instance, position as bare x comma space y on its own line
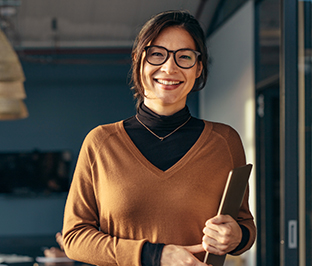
222, 233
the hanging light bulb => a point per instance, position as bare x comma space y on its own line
12, 92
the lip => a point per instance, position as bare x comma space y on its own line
168, 84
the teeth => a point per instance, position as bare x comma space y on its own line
167, 82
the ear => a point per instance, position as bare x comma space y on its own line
199, 69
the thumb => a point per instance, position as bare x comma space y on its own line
194, 249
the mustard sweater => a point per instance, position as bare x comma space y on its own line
118, 200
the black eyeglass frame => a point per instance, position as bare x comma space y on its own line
197, 54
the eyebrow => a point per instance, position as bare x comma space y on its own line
170, 49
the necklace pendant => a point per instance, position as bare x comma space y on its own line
161, 138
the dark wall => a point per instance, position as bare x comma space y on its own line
65, 101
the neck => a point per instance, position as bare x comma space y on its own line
165, 110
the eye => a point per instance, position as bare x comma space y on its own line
185, 57
156, 54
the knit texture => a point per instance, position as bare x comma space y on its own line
118, 200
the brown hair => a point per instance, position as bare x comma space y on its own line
151, 30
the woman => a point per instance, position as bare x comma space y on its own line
146, 190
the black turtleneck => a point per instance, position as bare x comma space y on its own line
162, 153
165, 153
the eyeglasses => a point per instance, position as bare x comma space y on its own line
158, 55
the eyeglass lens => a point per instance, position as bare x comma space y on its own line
184, 58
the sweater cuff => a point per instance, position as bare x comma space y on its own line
244, 241
151, 254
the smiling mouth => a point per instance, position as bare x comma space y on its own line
168, 82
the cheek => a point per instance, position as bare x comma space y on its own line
147, 73
143, 74
144, 77
191, 77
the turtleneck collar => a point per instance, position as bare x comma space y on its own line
156, 121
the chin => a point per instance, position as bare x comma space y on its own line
173, 102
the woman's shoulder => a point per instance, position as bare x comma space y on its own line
224, 133
222, 129
103, 132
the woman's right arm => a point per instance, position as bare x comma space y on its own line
83, 240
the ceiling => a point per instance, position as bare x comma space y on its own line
88, 23
102, 26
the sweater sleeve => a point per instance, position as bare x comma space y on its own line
245, 219
83, 239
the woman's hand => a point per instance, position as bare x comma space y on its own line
173, 255
59, 240
222, 235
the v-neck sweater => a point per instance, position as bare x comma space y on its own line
118, 199
163, 153
182, 131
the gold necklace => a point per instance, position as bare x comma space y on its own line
161, 138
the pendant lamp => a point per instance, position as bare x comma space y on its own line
12, 92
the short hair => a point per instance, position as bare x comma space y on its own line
151, 30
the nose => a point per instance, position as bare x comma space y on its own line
170, 66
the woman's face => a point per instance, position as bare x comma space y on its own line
166, 86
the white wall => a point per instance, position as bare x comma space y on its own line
229, 93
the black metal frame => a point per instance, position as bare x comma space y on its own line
308, 130
289, 163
